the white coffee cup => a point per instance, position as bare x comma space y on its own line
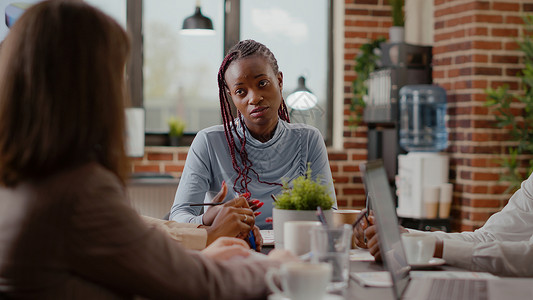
300, 280
297, 236
419, 247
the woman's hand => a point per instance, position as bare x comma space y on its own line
234, 219
225, 248
210, 214
359, 232
258, 239
282, 256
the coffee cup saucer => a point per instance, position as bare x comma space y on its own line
282, 297
433, 262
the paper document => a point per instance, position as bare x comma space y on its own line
361, 255
268, 237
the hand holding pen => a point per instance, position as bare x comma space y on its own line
233, 218
254, 237
363, 228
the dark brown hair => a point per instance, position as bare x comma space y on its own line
241, 50
62, 92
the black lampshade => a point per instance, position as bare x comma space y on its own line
197, 22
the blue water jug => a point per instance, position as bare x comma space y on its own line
422, 118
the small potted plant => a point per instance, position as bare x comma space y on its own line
397, 31
176, 126
299, 203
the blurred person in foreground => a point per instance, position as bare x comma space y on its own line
503, 246
66, 229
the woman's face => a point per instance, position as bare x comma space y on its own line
256, 92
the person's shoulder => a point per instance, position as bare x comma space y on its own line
311, 130
91, 174
211, 131
208, 135
74, 181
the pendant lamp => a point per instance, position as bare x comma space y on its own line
302, 98
197, 24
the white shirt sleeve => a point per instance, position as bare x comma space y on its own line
500, 258
504, 245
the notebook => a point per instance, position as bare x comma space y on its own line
395, 260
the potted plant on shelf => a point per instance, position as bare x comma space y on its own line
176, 127
299, 203
397, 31
366, 62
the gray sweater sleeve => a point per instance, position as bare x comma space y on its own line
194, 183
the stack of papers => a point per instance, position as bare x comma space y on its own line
361, 255
268, 237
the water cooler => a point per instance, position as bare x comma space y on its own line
422, 181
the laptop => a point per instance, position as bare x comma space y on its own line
395, 260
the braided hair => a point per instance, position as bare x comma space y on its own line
241, 50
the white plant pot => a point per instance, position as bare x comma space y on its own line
280, 216
396, 34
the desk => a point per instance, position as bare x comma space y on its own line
356, 291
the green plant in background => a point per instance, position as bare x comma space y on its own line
305, 194
176, 126
397, 12
520, 126
365, 63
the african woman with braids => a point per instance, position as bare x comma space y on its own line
254, 151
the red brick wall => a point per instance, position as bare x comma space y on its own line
365, 19
474, 49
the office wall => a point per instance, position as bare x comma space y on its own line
474, 48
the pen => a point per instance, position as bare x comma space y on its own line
207, 204
273, 197
362, 215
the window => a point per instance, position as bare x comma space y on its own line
299, 39
179, 72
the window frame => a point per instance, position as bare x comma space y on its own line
134, 17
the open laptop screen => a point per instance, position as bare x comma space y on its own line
391, 249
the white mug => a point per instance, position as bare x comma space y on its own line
419, 247
297, 236
300, 280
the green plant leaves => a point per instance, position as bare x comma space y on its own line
520, 126
305, 194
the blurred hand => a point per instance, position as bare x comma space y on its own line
225, 248
282, 256
258, 239
371, 235
359, 233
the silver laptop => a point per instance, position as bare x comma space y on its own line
395, 261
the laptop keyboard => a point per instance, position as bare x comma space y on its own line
471, 289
